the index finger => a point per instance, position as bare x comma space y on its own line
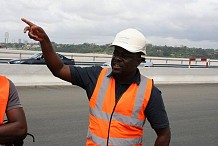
27, 22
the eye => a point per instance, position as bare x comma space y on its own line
123, 55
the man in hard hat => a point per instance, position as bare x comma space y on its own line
15, 129
120, 98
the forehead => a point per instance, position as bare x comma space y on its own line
121, 50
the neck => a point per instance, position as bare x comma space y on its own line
123, 78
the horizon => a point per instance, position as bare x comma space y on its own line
173, 23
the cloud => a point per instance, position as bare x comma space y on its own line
167, 22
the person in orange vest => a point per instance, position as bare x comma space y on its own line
15, 130
120, 98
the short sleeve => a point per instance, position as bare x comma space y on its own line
13, 99
155, 110
85, 77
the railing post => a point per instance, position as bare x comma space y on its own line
191, 59
207, 63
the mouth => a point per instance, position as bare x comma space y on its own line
116, 66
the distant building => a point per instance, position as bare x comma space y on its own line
19, 41
6, 37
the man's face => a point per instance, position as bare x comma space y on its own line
124, 62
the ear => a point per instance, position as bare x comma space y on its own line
138, 60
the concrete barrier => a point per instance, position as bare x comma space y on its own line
36, 75
30, 75
181, 75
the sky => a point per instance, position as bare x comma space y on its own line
191, 23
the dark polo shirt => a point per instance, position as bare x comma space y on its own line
13, 99
155, 111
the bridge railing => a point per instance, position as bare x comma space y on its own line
96, 59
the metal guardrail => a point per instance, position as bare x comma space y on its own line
78, 63
165, 62
88, 63
4, 60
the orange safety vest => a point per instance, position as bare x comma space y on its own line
118, 123
4, 93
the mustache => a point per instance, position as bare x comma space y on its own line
118, 63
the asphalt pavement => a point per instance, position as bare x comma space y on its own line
58, 115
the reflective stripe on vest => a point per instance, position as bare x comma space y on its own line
4, 93
123, 121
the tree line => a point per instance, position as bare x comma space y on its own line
152, 50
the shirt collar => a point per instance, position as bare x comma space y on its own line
136, 79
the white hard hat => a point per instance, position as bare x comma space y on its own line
130, 39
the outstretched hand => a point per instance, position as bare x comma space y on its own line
34, 32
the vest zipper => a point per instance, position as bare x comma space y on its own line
111, 119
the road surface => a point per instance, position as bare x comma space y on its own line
58, 115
